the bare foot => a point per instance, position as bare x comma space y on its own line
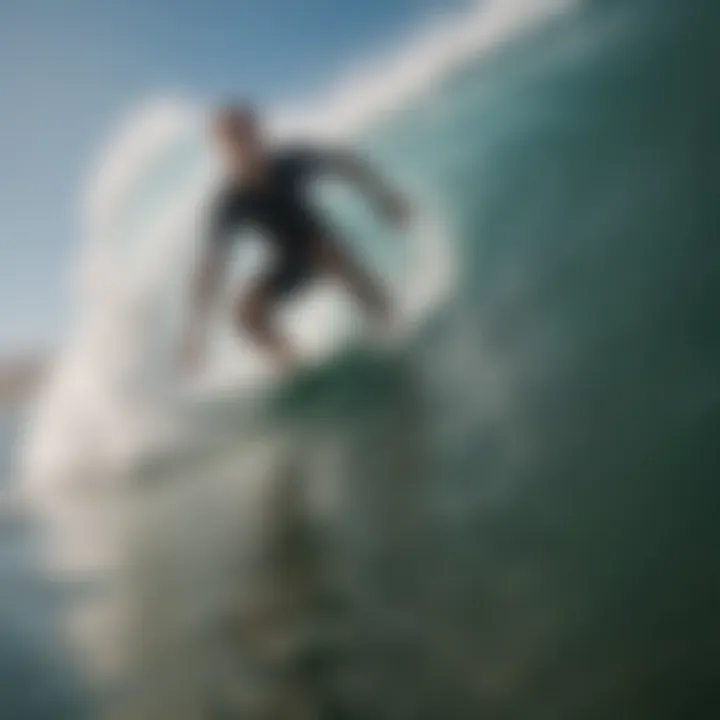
286, 360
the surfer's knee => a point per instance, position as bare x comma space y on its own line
252, 311
338, 262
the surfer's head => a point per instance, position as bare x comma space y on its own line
238, 133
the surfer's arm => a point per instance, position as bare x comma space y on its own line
350, 167
206, 282
205, 285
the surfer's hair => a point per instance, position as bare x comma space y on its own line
237, 112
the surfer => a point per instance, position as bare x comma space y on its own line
266, 188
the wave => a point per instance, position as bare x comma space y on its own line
231, 552
141, 212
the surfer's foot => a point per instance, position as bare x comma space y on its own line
387, 315
382, 325
383, 315
285, 359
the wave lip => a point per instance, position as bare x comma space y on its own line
384, 83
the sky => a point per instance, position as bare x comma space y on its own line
70, 70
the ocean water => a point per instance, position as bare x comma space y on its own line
511, 516
34, 678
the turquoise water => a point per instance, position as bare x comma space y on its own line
34, 678
531, 486
583, 505
574, 384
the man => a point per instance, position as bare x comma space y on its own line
267, 190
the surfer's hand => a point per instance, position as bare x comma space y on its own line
191, 353
396, 209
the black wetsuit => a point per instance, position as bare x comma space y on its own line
280, 210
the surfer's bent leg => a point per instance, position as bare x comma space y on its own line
336, 261
255, 314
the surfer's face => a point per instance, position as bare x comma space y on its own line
239, 137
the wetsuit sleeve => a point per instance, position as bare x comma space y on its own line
308, 161
332, 161
348, 166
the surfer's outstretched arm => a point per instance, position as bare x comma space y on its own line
204, 292
349, 166
225, 216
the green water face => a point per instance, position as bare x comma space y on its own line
575, 381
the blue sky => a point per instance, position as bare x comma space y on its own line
69, 68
